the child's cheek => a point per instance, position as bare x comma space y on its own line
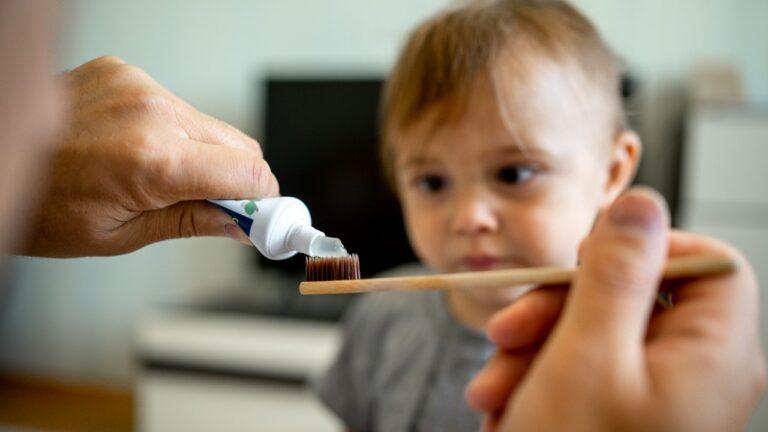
566, 235
425, 236
551, 236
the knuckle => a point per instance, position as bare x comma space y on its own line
96, 73
146, 160
257, 148
102, 61
120, 73
143, 101
123, 88
148, 100
262, 178
108, 59
187, 224
254, 146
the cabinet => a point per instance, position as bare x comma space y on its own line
205, 372
724, 192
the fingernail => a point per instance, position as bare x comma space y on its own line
638, 209
235, 233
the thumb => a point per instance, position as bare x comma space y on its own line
622, 261
182, 220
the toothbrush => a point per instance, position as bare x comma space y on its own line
341, 275
280, 227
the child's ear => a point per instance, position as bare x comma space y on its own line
625, 156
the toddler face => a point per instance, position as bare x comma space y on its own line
479, 195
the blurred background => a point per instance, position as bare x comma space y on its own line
203, 335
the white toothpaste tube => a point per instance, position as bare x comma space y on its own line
280, 227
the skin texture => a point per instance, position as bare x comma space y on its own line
478, 194
134, 165
602, 359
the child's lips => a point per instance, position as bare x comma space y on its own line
481, 263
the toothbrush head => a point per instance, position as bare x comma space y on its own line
333, 268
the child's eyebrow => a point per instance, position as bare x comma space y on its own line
515, 149
512, 148
529, 149
418, 161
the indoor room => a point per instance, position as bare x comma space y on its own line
208, 333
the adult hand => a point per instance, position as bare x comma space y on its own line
134, 165
602, 359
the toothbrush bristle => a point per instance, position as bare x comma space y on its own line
333, 268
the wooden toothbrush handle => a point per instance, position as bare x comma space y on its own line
676, 268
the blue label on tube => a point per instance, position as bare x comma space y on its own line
244, 222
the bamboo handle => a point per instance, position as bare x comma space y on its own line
676, 268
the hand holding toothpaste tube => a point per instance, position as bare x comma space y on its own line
134, 166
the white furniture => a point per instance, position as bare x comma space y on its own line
725, 191
205, 372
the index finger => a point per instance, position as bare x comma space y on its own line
741, 284
714, 306
196, 171
527, 321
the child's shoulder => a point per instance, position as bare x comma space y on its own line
387, 352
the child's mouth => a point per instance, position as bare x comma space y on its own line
481, 263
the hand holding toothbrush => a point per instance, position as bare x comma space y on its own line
135, 165
599, 360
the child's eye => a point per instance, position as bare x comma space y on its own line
514, 174
431, 183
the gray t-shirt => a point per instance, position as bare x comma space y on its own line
403, 366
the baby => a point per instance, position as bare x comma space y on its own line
503, 136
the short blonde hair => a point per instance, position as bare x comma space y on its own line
445, 56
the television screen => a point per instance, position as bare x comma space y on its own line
320, 138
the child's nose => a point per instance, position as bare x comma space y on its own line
474, 215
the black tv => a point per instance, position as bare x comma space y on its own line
320, 138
